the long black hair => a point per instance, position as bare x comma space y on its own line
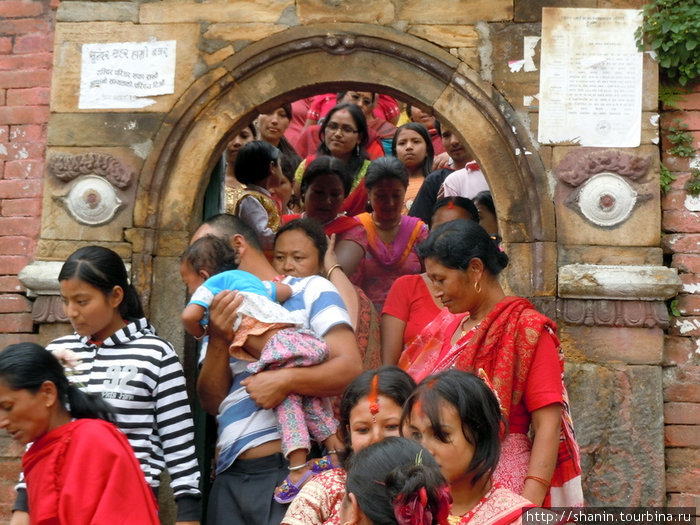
103, 269
478, 410
27, 366
253, 161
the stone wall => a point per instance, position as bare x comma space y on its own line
26, 58
681, 241
236, 57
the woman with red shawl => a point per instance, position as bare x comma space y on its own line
79, 469
518, 350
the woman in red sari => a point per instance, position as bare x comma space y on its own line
517, 348
79, 469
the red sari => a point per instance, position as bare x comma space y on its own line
85, 472
499, 506
503, 345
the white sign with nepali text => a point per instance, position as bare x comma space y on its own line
123, 75
590, 77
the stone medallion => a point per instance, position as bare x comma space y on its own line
92, 200
606, 199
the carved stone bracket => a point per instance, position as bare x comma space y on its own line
68, 167
636, 314
41, 280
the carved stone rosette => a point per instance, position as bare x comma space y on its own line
605, 183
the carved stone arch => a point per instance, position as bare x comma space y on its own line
302, 60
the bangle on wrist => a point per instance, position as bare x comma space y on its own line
539, 480
204, 333
330, 270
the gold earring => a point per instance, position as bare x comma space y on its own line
477, 290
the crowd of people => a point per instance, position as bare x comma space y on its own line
359, 355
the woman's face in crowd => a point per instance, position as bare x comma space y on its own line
453, 455
363, 99
451, 286
296, 254
272, 126
387, 198
418, 115
410, 148
447, 214
365, 428
283, 192
324, 197
487, 219
341, 135
244, 137
23, 414
90, 311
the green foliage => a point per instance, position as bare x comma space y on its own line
673, 308
670, 94
666, 178
692, 186
680, 138
671, 29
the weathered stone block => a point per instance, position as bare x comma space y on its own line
97, 12
634, 314
446, 35
183, 11
450, 12
108, 129
365, 11
65, 83
618, 416
531, 10
514, 74
168, 300
53, 250
643, 224
622, 255
230, 32
534, 259
602, 344
587, 281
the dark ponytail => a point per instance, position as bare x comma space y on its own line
103, 269
391, 478
26, 366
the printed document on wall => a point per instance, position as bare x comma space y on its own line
123, 75
590, 77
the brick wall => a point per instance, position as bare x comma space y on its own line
26, 56
681, 224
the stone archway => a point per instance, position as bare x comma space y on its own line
360, 56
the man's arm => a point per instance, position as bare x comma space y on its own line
270, 387
215, 377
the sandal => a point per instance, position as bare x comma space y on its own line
287, 491
318, 465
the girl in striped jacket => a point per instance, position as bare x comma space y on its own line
114, 352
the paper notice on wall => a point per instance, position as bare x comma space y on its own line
590, 77
123, 75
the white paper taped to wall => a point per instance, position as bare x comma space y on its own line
122, 75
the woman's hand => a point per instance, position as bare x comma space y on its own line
330, 259
441, 160
269, 387
19, 517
